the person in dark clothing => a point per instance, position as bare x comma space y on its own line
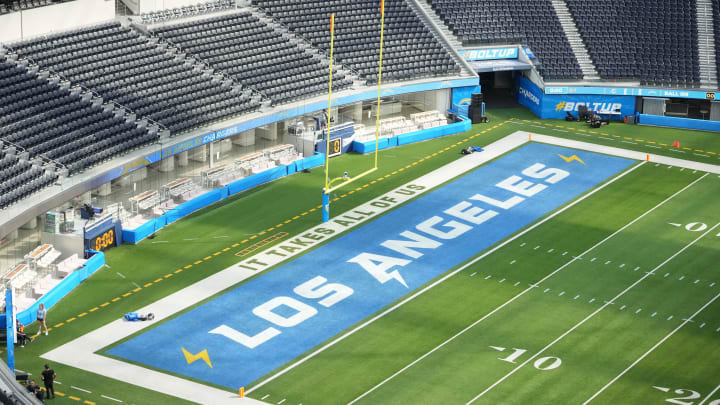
48, 376
35, 390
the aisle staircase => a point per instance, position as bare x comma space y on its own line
576, 42
706, 45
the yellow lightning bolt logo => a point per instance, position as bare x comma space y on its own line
560, 106
571, 158
191, 358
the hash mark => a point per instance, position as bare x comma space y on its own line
637, 268
696, 281
516, 284
266, 395
653, 314
561, 294
473, 275
622, 307
681, 278
488, 277
565, 253
608, 262
546, 290
576, 297
703, 324
592, 300
523, 244
670, 317
667, 274
551, 250
712, 285
593, 259
622, 265
638, 311
502, 280
537, 247
512, 262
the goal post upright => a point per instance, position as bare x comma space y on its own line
328, 188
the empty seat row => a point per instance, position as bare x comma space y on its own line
126, 67
357, 35
653, 41
252, 53
533, 23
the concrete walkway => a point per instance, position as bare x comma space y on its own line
81, 352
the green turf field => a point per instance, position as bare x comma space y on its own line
565, 296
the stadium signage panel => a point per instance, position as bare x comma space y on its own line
630, 91
489, 53
554, 106
279, 315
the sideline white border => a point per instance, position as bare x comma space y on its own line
80, 353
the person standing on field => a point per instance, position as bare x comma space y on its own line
48, 376
41, 312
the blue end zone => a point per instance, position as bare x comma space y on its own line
294, 324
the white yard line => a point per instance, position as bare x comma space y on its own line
524, 291
655, 347
587, 318
710, 394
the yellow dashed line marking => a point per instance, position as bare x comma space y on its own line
663, 144
60, 393
198, 262
351, 192
687, 148
70, 320
373, 182
169, 275
116, 299
712, 153
640, 140
226, 249
81, 315
387, 175
127, 294
271, 229
629, 139
147, 285
235, 245
358, 189
414, 163
89, 402
288, 221
262, 233
365, 185
158, 280
60, 324
188, 266
96, 308
105, 304
313, 209
336, 199
206, 258
219, 253
178, 271
74, 398
651, 142
698, 150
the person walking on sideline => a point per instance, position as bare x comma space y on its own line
48, 376
41, 312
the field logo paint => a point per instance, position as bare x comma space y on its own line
191, 358
571, 158
282, 314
